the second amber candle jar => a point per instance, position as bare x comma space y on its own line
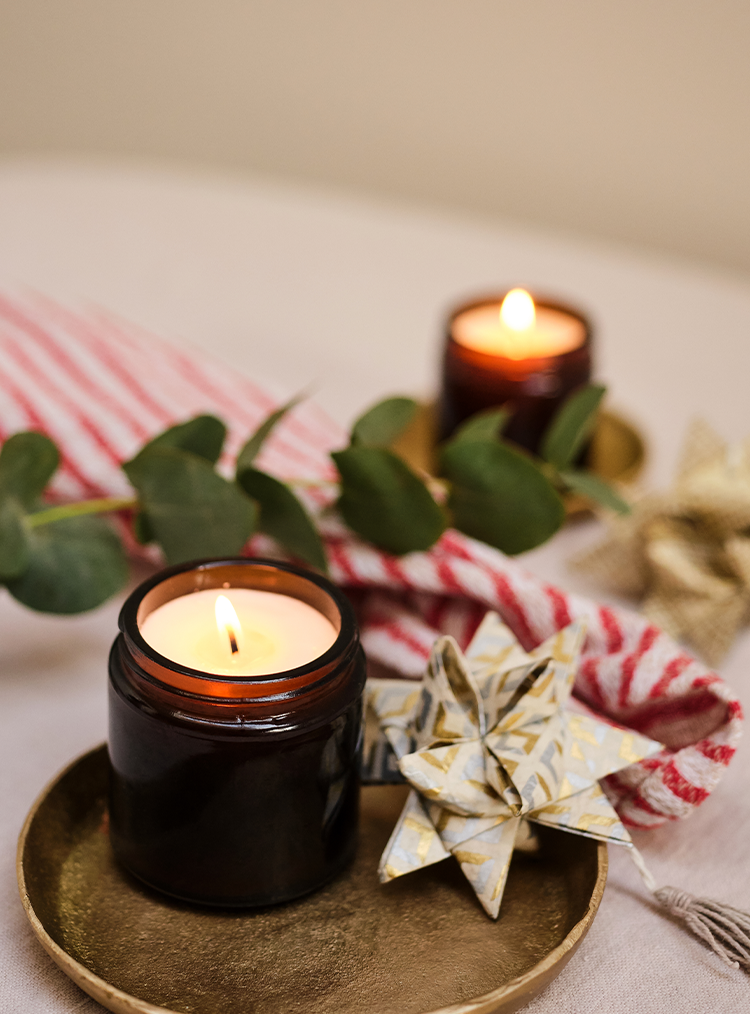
533, 386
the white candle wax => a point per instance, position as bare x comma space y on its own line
276, 632
552, 333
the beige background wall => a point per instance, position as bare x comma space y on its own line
627, 120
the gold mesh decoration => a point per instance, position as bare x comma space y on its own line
686, 552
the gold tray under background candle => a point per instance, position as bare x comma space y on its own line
420, 944
616, 454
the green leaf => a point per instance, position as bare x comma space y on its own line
595, 489
384, 501
14, 540
204, 435
142, 529
191, 510
250, 451
384, 422
572, 425
499, 496
27, 463
283, 517
487, 425
74, 565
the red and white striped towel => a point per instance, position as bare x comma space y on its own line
100, 387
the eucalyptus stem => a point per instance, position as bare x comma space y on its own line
104, 505
313, 483
438, 487
551, 473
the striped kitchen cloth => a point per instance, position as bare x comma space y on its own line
100, 387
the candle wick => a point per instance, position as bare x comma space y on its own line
232, 641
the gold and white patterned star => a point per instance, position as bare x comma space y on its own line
486, 742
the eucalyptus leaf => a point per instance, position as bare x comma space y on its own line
499, 496
384, 501
204, 435
283, 517
250, 451
487, 425
595, 489
142, 529
27, 463
572, 425
192, 511
14, 539
384, 422
73, 565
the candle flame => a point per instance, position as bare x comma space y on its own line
228, 622
517, 311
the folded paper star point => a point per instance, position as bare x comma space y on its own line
487, 743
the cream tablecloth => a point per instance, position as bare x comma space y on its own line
307, 287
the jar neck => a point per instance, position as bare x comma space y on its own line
239, 689
333, 689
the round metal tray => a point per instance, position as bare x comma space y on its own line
419, 944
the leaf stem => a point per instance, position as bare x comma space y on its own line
551, 474
311, 483
104, 505
439, 488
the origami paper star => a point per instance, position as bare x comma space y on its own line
486, 742
686, 552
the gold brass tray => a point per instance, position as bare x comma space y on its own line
617, 451
420, 944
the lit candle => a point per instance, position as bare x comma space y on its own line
520, 330
235, 712
517, 351
238, 632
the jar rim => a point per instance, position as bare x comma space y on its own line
455, 348
289, 682
540, 299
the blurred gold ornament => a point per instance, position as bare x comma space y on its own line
686, 552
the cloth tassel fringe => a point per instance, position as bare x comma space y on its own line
726, 930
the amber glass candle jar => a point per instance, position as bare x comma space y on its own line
235, 790
531, 375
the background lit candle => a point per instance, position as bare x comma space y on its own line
513, 350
